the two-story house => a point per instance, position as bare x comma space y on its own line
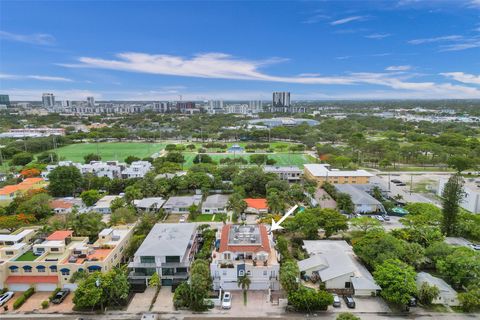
245, 250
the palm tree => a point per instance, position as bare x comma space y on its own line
236, 204
244, 283
276, 203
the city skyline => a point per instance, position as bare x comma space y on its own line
240, 50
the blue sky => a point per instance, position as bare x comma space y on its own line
156, 50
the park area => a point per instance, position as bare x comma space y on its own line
109, 150
282, 159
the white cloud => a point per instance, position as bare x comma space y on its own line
463, 77
378, 36
36, 38
34, 77
18, 94
347, 20
436, 39
467, 44
315, 18
474, 4
398, 68
223, 66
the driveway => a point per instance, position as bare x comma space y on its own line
65, 307
364, 304
34, 302
141, 301
257, 304
10, 302
164, 302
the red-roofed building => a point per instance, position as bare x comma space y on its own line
245, 250
256, 206
60, 235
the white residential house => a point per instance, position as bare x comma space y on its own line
287, 173
447, 295
138, 169
181, 204
152, 204
216, 203
363, 202
245, 250
334, 263
103, 205
168, 250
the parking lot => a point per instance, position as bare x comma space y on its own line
364, 304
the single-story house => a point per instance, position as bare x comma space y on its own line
362, 201
180, 205
334, 263
216, 203
103, 205
447, 295
256, 206
152, 204
65, 205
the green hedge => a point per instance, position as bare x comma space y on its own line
21, 300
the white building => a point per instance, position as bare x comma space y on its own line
168, 250
180, 205
103, 205
138, 169
245, 250
471, 199
362, 201
216, 203
334, 263
446, 296
48, 100
152, 204
287, 173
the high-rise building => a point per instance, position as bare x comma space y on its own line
161, 107
91, 102
48, 100
255, 106
4, 99
281, 101
215, 107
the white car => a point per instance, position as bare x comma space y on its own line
182, 219
5, 297
380, 218
227, 300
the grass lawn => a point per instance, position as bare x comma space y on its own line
27, 256
109, 150
283, 159
207, 218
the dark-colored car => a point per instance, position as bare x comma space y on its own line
401, 184
60, 296
396, 181
349, 301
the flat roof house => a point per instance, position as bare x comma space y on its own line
103, 205
152, 204
181, 204
168, 249
322, 172
362, 201
216, 203
447, 295
245, 250
287, 173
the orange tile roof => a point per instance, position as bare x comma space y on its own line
22, 186
32, 279
99, 254
224, 246
60, 204
258, 204
60, 235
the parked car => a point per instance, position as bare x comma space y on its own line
349, 301
386, 217
380, 218
396, 181
227, 300
401, 184
183, 219
5, 297
60, 296
336, 301
475, 246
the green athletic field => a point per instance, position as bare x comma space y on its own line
283, 159
109, 150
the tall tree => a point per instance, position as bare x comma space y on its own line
451, 196
64, 181
397, 280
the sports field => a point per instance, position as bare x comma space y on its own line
283, 159
109, 150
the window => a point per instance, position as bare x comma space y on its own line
227, 256
182, 270
9, 253
14, 270
347, 284
41, 270
249, 273
54, 249
172, 259
65, 272
265, 273
224, 273
241, 273
168, 271
53, 268
147, 259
